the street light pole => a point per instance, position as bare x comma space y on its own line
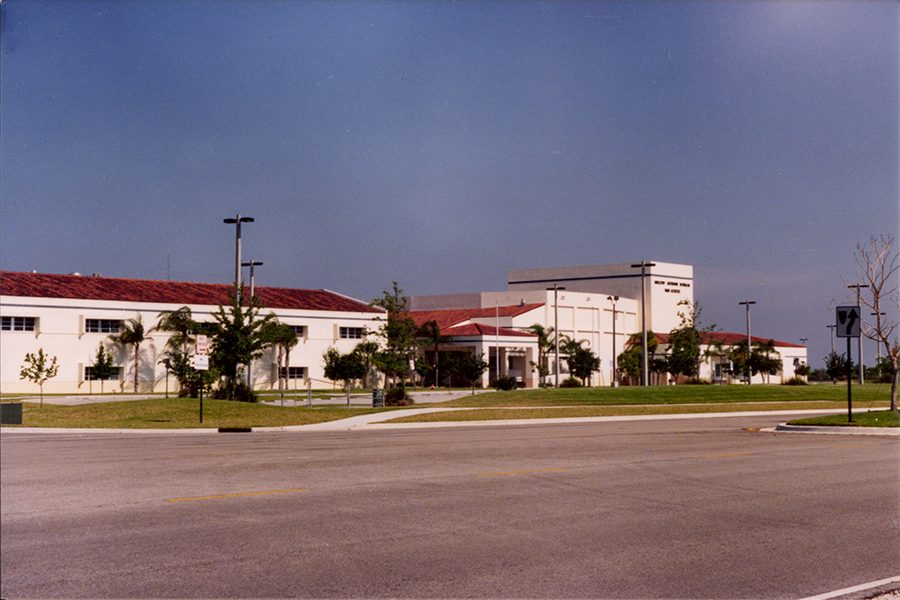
645, 372
615, 380
497, 339
237, 251
862, 367
251, 263
556, 289
747, 303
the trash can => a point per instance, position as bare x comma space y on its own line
377, 397
11, 413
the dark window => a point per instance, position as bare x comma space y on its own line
89, 375
102, 325
18, 323
352, 333
300, 330
293, 372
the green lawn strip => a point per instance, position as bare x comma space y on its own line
679, 394
880, 418
178, 413
499, 414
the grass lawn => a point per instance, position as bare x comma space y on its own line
676, 394
178, 413
879, 418
500, 414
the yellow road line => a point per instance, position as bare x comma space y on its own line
521, 472
237, 495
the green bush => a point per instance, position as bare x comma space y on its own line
239, 393
505, 383
795, 381
571, 382
396, 396
697, 381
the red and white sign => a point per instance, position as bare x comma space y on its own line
202, 345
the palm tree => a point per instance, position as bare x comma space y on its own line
133, 333
283, 337
368, 353
181, 324
545, 343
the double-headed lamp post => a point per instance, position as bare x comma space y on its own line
615, 379
862, 367
237, 251
556, 287
746, 304
645, 371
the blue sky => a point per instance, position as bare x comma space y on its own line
441, 144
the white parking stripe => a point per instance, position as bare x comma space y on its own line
855, 588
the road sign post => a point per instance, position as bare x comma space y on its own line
847, 326
201, 363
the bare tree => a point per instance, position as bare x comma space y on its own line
878, 261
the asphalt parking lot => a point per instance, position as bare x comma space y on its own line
707, 508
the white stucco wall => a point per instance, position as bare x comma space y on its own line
667, 284
60, 332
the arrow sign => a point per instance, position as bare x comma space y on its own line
848, 321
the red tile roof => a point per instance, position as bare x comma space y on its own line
449, 317
44, 285
479, 330
727, 338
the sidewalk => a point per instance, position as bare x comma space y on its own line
376, 422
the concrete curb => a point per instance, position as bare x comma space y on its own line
837, 430
375, 422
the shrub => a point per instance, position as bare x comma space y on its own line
697, 381
505, 383
571, 382
240, 393
795, 381
396, 396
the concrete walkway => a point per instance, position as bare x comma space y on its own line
376, 422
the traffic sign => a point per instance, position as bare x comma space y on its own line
201, 362
848, 321
202, 344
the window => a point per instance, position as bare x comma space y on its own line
294, 372
352, 333
102, 325
89, 375
18, 323
300, 330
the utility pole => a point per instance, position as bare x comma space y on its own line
746, 304
645, 371
832, 328
862, 368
